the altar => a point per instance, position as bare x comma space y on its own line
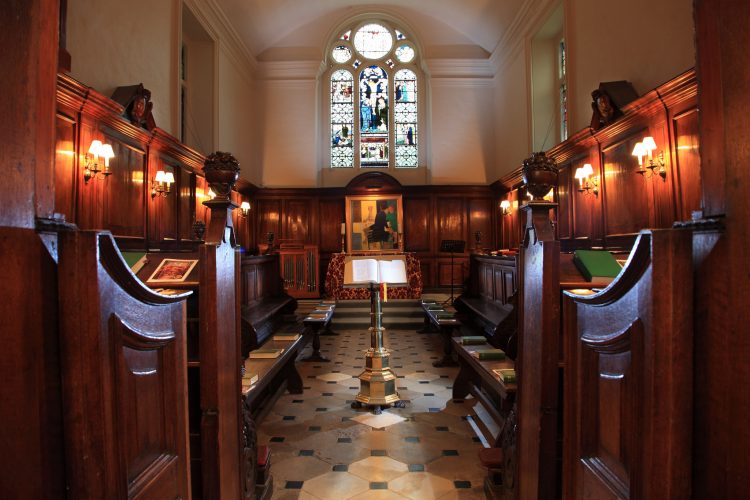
335, 280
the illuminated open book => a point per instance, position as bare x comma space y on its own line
366, 271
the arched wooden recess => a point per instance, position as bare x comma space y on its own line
374, 183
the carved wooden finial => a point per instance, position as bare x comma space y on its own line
222, 171
540, 175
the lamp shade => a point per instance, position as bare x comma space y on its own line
245, 206
639, 150
505, 204
579, 173
95, 148
169, 177
587, 170
159, 176
105, 151
211, 193
649, 144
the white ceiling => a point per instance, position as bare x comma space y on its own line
444, 27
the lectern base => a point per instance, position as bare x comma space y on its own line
377, 384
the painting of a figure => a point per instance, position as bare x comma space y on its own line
374, 223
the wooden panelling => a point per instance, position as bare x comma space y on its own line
450, 219
331, 217
297, 218
627, 195
269, 219
566, 189
480, 219
627, 201
185, 194
125, 193
65, 166
687, 165
417, 222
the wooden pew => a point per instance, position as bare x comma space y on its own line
629, 378
265, 304
489, 303
222, 435
124, 376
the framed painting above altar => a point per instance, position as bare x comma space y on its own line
374, 223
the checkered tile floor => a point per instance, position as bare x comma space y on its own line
324, 449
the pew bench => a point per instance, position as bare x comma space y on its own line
445, 326
262, 318
273, 374
318, 321
498, 322
476, 377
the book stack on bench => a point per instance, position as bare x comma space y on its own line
473, 340
506, 375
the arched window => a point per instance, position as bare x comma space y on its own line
373, 69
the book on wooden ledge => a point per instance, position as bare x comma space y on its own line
435, 307
286, 337
249, 380
375, 271
314, 315
596, 264
506, 375
265, 353
489, 354
473, 340
445, 315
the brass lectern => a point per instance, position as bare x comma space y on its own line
377, 384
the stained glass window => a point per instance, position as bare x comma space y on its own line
342, 119
373, 117
373, 41
404, 53
341, 54
405, 117
381, 120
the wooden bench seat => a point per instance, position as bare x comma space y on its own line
476, 377
498, 322
261, 318
274, 373
446, 327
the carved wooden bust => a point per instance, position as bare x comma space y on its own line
137, 103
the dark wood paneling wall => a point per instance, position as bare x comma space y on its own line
626, 202
122, 202
431, 214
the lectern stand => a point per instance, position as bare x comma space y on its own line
377, 384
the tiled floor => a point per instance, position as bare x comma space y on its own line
324, 449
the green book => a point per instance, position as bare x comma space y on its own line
473, 340
445, 315
489, 354
435, 307
506, 375
596, 263
134, 260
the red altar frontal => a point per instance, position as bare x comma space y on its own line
335, 281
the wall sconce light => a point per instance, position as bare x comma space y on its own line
505, 207
96, 150
646, 148
162, 183
587, 184
211, 194
245, 208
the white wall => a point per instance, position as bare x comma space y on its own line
114, 43
511, 115
237, 116
643, 41
462, 131
288, 149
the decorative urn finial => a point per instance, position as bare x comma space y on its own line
539, 174
222, 171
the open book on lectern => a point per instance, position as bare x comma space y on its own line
375, 271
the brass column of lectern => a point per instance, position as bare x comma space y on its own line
377, 384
